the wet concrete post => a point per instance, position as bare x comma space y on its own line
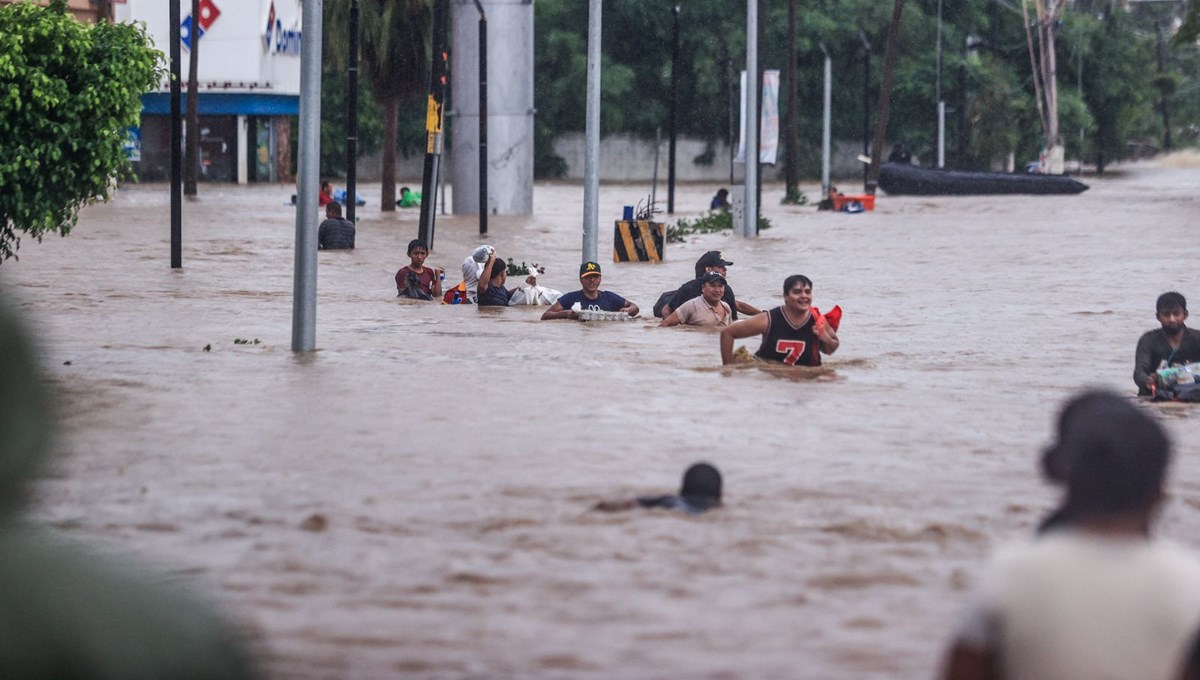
750, 226
591, 159
304, 286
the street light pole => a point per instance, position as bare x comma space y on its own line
941, 105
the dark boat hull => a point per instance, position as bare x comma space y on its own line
899, 178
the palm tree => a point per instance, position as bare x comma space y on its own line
394, 58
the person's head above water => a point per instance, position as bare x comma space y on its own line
1171, 312
1111, 456
701, 487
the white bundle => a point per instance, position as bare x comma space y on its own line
598, 315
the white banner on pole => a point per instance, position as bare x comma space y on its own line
768, 139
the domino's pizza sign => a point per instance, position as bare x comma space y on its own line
276, 38
190, 26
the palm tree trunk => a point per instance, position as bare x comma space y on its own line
387, 199
191, 155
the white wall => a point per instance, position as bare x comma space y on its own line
234, 49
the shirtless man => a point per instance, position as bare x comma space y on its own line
791, 334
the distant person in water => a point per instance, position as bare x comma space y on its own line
791, 334
720, 201
325, 195
1173, 343
700, 491
408, 198
899, 154
336, 232
1094, 594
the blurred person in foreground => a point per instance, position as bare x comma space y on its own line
1094, 594
699, 492
65, 612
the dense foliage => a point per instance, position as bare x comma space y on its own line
68, 94
1115, 98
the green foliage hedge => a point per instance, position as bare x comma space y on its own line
68, 93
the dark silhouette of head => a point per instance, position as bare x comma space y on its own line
333, 209
701, 486
1110, 455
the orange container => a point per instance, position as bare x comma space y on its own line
840, 201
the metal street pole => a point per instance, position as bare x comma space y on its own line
826, 132
671, 121
304, 286
176, 144
941, 105
352, 118
750, 223
591, 159
866, 121
483, 123
435, 118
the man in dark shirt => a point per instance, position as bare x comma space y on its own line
335, 233
712, 261
1174, 343
491, 290
791, 333
589, 297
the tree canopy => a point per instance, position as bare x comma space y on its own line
69, 92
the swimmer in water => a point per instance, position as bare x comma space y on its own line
700, 492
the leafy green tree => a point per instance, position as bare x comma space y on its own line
68, 94
394, 59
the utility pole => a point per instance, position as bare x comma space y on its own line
754, 83
352, 117
591, 160
671, 131
866, 105
176, 143
885, 95
304, 286
941, 105
483, 122
435, 118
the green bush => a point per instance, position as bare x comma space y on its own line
719, 220
69, 92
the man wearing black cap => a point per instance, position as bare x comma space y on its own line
707, 309
712, 261
589, 297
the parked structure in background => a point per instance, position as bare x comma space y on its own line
249, 88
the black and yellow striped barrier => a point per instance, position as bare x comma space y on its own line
639, 241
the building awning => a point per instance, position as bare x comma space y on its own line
226, 104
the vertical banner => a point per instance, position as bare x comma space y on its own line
768, 135
768, 144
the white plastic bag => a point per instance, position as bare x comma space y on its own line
529, 294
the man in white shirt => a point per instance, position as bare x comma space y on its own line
1094, 595
706, 309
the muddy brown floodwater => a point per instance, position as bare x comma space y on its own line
412, 499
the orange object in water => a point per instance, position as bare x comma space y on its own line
840, 201
834, 317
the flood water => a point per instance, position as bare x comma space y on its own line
412, 499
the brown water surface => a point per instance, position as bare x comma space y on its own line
412, 499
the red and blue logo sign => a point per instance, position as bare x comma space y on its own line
208, 15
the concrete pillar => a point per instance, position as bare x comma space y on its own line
242, 149
510, 106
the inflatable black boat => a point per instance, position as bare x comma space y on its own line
901, 178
